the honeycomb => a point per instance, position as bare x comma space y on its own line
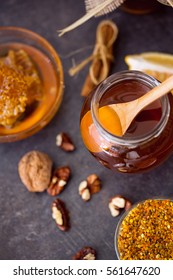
20, 86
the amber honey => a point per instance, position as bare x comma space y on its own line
140, 6
147, 142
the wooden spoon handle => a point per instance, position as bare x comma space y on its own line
157, 92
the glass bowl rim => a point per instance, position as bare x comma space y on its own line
58, 68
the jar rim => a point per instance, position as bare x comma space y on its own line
119, 77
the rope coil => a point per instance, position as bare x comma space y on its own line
101, 52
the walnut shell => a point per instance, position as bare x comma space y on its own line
35, 170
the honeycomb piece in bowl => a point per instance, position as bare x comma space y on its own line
13, 95
22, 63
20, 86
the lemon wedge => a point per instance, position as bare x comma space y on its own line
157, 64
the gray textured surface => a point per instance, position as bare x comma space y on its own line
27, 230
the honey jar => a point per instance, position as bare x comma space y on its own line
148, 140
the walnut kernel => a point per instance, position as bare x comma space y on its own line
59, 179
64, 141
117, 204
89, 186
86, 253
60, 214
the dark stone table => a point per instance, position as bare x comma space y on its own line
27, 230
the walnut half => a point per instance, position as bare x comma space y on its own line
63, 140
59, 180
89, 186
60, 214
86, 253
117, 204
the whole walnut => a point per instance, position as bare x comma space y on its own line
35, 169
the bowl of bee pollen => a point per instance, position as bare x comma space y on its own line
31, 83
144, 232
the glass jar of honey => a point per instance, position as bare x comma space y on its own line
148, 140
140, 6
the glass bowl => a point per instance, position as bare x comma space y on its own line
50, 71
148, 241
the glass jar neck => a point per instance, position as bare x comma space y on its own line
121, 77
